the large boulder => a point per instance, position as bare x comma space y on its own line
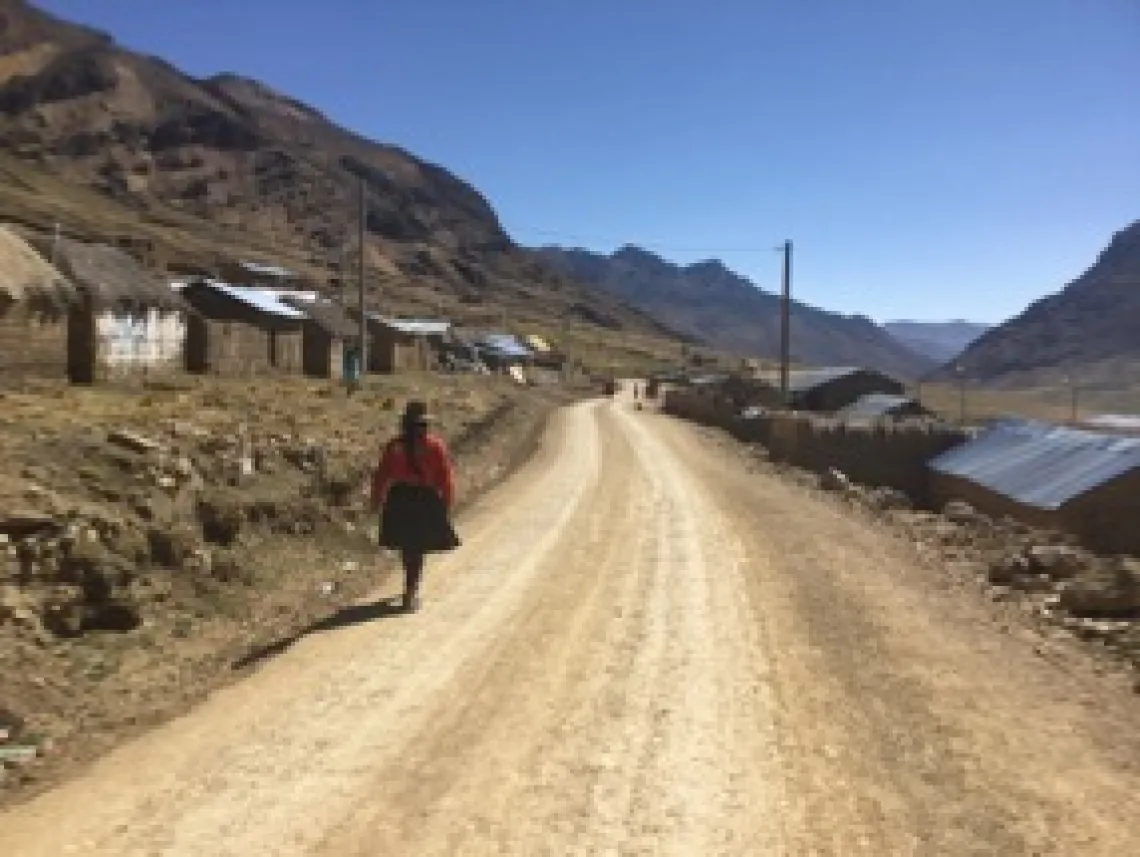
1110, 591
961, 512
1059, 562
222, 516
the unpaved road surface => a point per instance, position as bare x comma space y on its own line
642, 648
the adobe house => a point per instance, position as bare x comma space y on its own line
34, 303
240, 330
503, 350
128, 322
328, 337
1081, 482
403, 345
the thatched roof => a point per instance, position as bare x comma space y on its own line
112, 277
25, 276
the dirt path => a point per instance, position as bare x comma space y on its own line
641, 649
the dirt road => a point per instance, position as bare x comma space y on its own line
642, 649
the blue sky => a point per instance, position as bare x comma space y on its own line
931, 159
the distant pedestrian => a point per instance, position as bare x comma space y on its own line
414, 486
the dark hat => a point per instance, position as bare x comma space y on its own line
416, 413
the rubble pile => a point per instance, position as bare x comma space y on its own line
1092, 597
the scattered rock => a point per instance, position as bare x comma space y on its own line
113, 616
834, 480
172, 544
1057, 561
961, 512
1005, 570
1113, 590
225, 567
24, 523
222, 517
133, 441
888, 499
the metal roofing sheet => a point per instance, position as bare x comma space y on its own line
505, 344
802, 380
1040, 465
265, 270
420, 326
1119, 422
263, 300
875, 405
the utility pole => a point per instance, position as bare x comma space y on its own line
960, 371
360, 285
785, 321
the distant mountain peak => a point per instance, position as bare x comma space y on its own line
1088, 329
711, 302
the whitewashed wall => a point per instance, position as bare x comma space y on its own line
144, 340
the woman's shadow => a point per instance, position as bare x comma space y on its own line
346, 617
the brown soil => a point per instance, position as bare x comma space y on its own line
298, 527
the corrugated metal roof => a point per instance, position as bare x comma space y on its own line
1116, 422
263, 300
876, 405
1038, 464
505, 344
803, 380
265, 270
417, 326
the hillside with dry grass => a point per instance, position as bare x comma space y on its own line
1088, 332
113, 145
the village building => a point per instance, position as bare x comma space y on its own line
880, 406
242, 330
34, 304
832, 389
403, 344
127, 321
1081, 482
502, 351
329, 338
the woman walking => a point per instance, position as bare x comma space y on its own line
414, 485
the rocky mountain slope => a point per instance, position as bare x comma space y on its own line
115, 145
938, 340
711, 302
1090, 330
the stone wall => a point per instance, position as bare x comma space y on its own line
889, 454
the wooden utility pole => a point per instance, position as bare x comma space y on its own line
785, 321
360, 284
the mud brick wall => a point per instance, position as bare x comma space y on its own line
1105, 520
701, 406
32, 343
892, 455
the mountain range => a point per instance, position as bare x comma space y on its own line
114, 145
1088, 332
939, 340
721, 307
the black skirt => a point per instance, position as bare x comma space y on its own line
415, 519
